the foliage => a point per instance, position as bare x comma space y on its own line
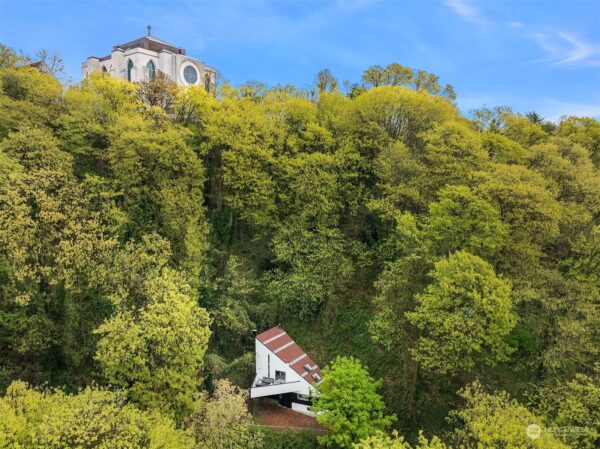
574, 407
382, 441
460, 220
146, 231
463, 314
277, 439
347, 404
223, 420
157, 350
496, 420
92, 418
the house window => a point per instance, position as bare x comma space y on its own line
280, 376
104, 69
316, 377
129, 70
151, 70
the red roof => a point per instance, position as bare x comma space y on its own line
281, 344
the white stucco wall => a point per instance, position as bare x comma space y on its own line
169, 63
262, 369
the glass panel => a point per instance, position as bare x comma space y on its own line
151, 70
190, 75
129, 69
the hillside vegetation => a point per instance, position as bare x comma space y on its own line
448, 267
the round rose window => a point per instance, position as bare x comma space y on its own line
190, 75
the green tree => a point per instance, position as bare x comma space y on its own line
462, 316
490, 421
573, 404
397, 75
8, 57
159, 91
382, 441
314, 268
460, 220
451, 155
54, 253
529, 208
374, 76
348, 405
326, 82
584, 131
156, 351
162, 181
223, 421
92, 418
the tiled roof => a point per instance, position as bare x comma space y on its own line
280, 343
151, 43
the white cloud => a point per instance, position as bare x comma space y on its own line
469, 13
566, 49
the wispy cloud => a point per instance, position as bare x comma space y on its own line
469, 13
566, 49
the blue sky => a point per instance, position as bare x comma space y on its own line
531, 55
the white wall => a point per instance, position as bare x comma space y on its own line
301, 408
170, 64
262, 362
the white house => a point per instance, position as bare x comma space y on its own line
142, 58
284, 371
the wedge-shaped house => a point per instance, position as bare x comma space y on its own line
284, 371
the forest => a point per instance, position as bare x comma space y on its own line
443, 266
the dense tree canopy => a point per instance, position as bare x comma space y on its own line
147, 230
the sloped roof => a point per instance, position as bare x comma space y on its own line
281, 344
41, 66
151, 43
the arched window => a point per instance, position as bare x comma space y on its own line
104, 69
207, 82
151, 70
129, 70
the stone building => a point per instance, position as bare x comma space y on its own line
143, 58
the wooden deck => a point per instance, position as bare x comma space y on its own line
267, 412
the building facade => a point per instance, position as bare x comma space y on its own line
284, 371
142, 59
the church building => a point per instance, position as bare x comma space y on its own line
143, 58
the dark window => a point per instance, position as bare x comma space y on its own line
190, 75
316, 377
104, 69
151, 70
280, 376
129, 69
207, 82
